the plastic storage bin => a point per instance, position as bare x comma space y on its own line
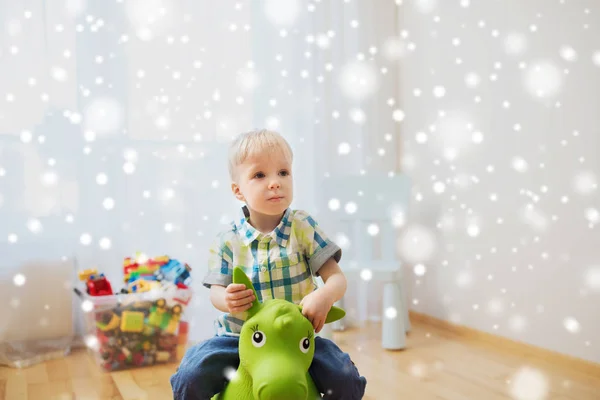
134, 330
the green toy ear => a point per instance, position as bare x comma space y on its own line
239, 276
334, 314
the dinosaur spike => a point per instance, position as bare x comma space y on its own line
239, 276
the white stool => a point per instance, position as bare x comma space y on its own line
378, 200
394, 318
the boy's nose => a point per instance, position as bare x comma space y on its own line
274, 184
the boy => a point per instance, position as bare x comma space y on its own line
281, 249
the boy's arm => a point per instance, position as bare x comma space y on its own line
335, 280
217, 297
316, 305
234, 298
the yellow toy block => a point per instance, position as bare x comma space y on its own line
132, 321
172, 326
142, 285
162, 259
110, 325
85, 274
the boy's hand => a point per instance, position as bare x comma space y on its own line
315, 307
238, 298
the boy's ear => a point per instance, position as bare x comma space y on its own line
239, 276
235, 189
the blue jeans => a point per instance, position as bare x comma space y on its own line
200, 374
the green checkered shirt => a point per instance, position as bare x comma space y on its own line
281, 264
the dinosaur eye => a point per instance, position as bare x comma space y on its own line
304, 344
259, 339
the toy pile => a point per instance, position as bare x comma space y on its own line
142, 324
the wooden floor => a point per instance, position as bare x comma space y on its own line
437, 364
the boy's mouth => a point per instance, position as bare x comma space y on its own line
275, 198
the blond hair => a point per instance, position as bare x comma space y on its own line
253, 143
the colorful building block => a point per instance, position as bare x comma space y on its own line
132, 321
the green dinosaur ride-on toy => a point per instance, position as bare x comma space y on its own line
277, 345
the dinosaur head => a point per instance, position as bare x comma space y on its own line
277, 346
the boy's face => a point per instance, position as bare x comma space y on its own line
264, 182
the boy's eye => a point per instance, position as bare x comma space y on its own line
259, 175
284, 173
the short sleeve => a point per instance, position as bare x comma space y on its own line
220, 264
317, 247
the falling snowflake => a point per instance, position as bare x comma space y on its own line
230, 373
108, 203
472, 80
519, 164
585, 182
517, 323
333, 204
439, 187
592, 215
350, 207
358, 80
85, 239
515, 43
394, 48
101, 179
366, 274
342, 241
495, 306
528, 383
247, 79
596, 58
535, 218
75, 7
19, 280
473, 230
439, 91
104, 243
344, 148
543, 79
391, 313
357, 116
128, 168
15, 302
59, 74
373, 229
398, 216
417, 370
87, 306
592, 278
425, 6
282, 12
49, 178
464, 279
92, 342
398, 115
34, 225
419, 269
453, 133
417, 244
103, 116
568, 53
572, 325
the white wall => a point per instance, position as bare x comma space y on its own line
162, 85
510, 237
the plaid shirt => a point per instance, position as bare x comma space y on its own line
281, 264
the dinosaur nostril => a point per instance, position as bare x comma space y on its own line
283, 322
279, 391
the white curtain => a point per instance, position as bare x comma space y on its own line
116, 114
